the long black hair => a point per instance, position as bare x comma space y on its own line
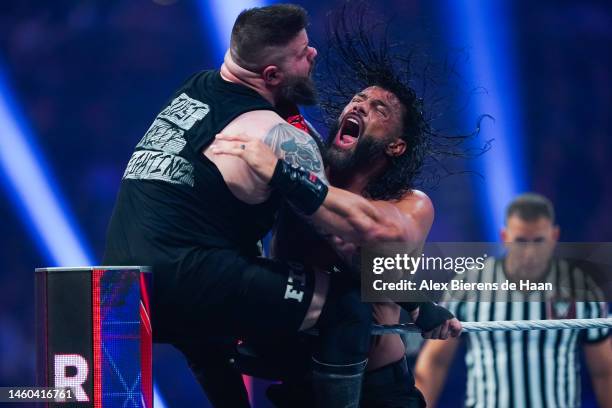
360, 55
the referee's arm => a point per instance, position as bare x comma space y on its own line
432, 367
599, 359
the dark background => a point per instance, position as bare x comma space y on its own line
83, 81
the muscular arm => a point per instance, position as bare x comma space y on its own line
296, 147
348, 215
599, 361
365, 221
343, 214
237, 174
432, 367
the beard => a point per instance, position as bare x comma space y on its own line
341, 161
298, 90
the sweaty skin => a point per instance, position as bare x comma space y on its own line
298, 241
345, 215
273, 132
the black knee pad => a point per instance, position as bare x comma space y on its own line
344, 325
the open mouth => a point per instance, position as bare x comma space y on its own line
349, 132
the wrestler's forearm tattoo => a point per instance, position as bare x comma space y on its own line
296, 147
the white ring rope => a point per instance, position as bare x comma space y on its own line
468, 327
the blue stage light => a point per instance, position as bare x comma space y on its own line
30, 184
483, 28
218, 17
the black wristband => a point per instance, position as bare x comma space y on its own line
300, 187
431, 316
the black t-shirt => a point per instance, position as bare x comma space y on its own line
173, 201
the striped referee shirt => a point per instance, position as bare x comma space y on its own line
529, 368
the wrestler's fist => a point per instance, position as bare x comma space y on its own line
450, 327
260, 158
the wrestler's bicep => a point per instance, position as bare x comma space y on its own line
296, 147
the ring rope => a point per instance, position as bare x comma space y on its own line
517, 325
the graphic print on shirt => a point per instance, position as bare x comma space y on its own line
157, 155
153, 165
163, 136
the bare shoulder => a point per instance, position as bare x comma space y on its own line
417, 204
296, 147
236, 173
257, 123
287, 141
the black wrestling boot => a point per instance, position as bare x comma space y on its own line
337, 386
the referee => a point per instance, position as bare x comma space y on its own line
530, 368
